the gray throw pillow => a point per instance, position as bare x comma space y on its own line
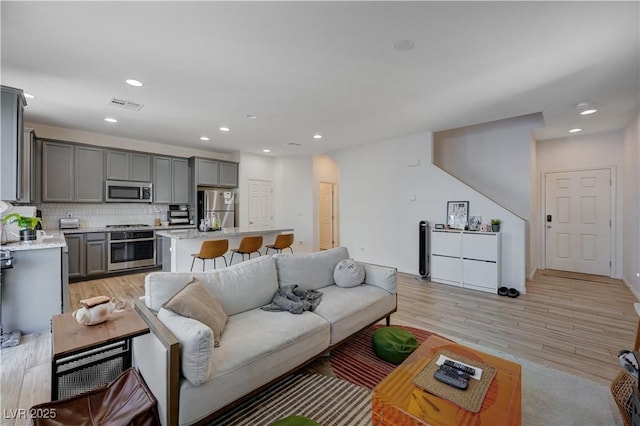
348, 273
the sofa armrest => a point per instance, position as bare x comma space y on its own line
384, 277
157, 357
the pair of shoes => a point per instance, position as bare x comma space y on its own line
510, 292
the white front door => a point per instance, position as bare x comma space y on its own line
326, 216
260, 204
578, 221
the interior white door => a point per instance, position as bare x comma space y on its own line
260, 204
578, 221
326, 216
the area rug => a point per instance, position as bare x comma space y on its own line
549, 396
327, 400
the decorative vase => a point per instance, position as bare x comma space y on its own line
495, 228
27, 235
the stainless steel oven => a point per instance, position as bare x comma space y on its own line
131, 249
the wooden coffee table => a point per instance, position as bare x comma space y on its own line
396, 401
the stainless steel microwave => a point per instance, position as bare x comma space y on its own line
126, 191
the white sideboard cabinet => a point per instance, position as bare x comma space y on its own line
466, 259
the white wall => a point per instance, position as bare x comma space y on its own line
294, 199
388, 187
585, 152
631, 202
251, 167
79, 136
493, 158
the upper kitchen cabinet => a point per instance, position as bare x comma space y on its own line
11, 144
170, 180
215, 173
122, 165
72, 173
228, 174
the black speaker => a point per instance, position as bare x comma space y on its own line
423, 249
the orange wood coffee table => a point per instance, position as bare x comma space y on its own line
396, 401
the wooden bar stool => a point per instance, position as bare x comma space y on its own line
283, 241
211, 249
248, 245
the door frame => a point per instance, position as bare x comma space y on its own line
334, 213
613, 271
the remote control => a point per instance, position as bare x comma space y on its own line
451, 379
470, 370
459, 373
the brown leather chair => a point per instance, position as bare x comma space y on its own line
211, 249
248, 245
125, 401
283, 241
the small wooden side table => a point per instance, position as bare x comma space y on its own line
87, 356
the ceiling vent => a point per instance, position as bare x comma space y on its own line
294, 144
123, 103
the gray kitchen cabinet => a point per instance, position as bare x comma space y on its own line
12, 153
159, 244
162, 180
89, 172
207, 172
57, 172
96, 253
180, 180
76, 250
171, 180
72, 173
228, 176
122, 165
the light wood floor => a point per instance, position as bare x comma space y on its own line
571, 322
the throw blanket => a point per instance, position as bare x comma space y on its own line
294, 299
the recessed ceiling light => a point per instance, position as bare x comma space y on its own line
28, 95
134, 83
586, 108
317, 136
404, 45
225, 129
204, 138
266, 150
251, 116
575, 130
110, 120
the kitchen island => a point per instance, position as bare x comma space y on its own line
37, 287
179, 245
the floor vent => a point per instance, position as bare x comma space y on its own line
123, 103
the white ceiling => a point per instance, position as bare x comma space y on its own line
325, 67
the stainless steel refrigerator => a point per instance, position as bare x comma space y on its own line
218, 204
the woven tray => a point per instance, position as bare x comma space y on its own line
471, 398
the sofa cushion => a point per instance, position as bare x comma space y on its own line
310, 271
161, 286
348, 273
351, 309
381, 276
247, 285
195, 301
196, 345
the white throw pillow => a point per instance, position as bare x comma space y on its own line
196, 345
348, 273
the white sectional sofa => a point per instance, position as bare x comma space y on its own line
192, 380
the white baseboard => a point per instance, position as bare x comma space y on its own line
635, 292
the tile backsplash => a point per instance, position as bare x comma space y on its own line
100, 215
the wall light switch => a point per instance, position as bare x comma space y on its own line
413, 162
412, 197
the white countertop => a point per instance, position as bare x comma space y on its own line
128, 228
52, 239
188, 234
